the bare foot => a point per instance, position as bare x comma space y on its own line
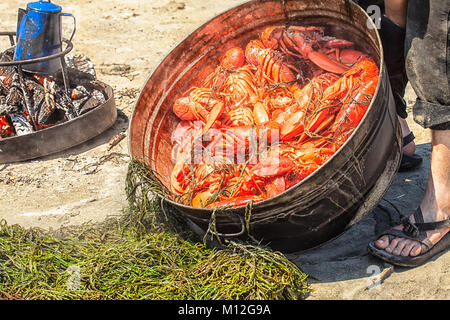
436, 202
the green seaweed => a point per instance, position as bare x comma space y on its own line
148, 253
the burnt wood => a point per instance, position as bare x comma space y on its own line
62, 136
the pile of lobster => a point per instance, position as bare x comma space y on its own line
268, 116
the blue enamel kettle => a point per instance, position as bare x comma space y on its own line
39, 35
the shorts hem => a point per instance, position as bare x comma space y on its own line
432, 115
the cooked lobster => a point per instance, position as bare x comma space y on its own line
258, 126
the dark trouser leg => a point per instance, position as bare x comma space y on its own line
428, 61
393, 39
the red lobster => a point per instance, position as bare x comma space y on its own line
272, 67
261, 129
310, 43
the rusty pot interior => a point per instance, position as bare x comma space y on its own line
197, 56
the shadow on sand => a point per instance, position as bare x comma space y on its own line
346, 257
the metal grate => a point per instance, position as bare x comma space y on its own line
20, 63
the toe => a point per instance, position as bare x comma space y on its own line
416, 249
399, 247
391, 247
382, 242
408, 247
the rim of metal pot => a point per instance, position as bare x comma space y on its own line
263, 202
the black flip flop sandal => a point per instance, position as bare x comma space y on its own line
409, 162
416, 232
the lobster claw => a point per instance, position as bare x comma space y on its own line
276, 186
273, 167
292, 126
202, 198
214, 114
323, 61
321, 121
260, 113
350, 57
271, 36
301, 40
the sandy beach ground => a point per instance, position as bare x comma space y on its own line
126, 40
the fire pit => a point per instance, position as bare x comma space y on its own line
42, 115
327, 202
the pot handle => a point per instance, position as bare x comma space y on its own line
237, 234
74, 23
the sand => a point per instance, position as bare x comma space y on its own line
126, 40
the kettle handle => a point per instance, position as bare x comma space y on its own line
74, 23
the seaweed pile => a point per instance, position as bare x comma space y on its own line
145, 254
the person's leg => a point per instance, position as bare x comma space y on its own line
427, 36
393, 33
409, 148
396, 10
435, 205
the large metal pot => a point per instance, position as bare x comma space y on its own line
330, 200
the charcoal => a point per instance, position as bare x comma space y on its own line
57, 117
6, 109
5, 80
27, 99
48, 105
44, 109
6, 73
97, 97
45, 99
76, 77
21, 124
82, 105
37, 93
81, 63
7, 55
11, 100
64, 103
98, 86
14, 97
80, 92
3, 88
81, 95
